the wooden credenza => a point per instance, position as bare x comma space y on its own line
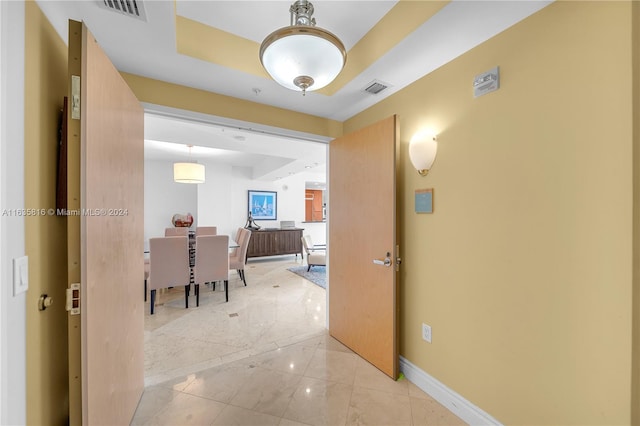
274, 242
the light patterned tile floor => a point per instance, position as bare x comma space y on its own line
265, 358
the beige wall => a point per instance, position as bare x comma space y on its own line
46, 86
181, 97
524, 271
635, 390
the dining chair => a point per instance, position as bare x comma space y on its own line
212, 262
234, 249
146, 277
316, 256
168, 265
206, 230
177, 231
238, 259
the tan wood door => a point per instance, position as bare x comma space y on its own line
105, 238
313, 205
362, 237
308, 206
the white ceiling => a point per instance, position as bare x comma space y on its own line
148, 48
269, 156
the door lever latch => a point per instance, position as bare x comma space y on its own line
385, 262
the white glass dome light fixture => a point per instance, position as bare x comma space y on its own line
188, 172
302, 56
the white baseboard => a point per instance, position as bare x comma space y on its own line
445, 396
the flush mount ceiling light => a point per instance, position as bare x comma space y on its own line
188, 172
302, 56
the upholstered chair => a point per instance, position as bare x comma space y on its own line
146, 277
316, 256
212, 262
178, 231
206, 230
168, 265
238, 258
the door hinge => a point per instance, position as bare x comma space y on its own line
73, 299
75, 97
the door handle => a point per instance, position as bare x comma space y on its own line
385, 262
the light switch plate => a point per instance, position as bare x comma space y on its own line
20, 275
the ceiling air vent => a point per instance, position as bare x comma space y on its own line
376, 87
133, 8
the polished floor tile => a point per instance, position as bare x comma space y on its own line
265, 358
320, 402
267, 392
373, 407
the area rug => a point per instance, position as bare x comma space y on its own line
317, 274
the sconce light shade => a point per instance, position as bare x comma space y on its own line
422, 151
188, 172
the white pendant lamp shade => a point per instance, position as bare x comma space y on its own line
302, 56
188, 172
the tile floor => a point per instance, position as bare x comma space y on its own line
265, 358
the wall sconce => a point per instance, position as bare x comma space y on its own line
422, 151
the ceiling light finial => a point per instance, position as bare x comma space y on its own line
303, 82
302, 56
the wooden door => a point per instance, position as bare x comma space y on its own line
105, 237
308, 206
313, 205
316, 205
362, 237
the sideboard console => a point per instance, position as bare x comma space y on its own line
274, 242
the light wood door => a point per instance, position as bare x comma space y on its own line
316, 205
105, 238
313, 205
362, 230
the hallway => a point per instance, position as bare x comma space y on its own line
265, 358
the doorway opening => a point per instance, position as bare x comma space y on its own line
277, 306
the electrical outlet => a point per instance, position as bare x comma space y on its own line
426, 332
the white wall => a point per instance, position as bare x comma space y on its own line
3, 343
215, 199
163, 198
13, 309
221, 201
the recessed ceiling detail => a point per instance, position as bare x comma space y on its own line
202, 56
260, 156
201, 41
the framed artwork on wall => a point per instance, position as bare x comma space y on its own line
263, 205
424, 200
